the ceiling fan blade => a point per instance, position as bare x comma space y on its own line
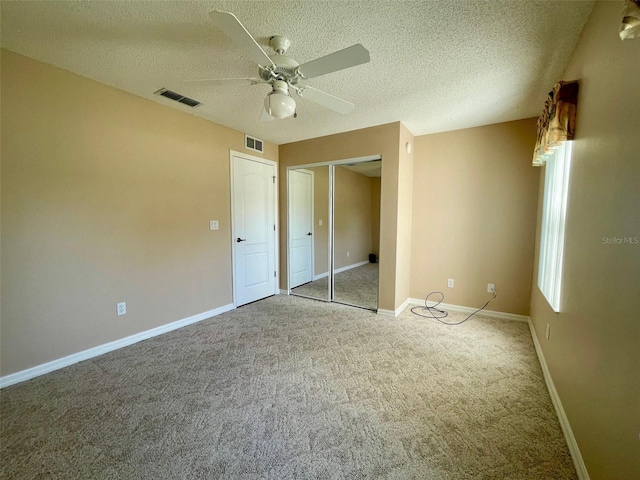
349, 57
265, 117
227, 81
231, 26
325, 99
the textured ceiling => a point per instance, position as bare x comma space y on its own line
435, 65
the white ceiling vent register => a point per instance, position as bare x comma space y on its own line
254, 144
163, 92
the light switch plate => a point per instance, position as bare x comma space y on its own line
214, 225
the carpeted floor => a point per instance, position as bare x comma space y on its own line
356, 286
294, 388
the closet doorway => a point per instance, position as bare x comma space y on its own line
334, 231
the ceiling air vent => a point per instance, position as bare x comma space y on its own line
254, 144
178, 98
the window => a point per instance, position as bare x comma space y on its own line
554, 212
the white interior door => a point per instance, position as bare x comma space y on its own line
254, 228
300, 227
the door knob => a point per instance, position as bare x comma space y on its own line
241, 239
309, 234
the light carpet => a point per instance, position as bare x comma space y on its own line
294, 388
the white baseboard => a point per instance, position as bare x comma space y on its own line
576, 456
320, 275
489, 313
341, 269
401, 308
349, 267
396, 312
38, 370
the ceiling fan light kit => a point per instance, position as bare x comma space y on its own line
279, 103
283, 72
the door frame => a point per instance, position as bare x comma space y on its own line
313, 227
276, 232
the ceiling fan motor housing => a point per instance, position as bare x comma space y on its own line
285, 69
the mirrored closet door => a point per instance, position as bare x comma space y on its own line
309, 222
334, 231
356, 233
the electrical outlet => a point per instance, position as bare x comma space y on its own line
548, 331
491, 288
320, 222
450, 283
121, 308
214, 225
347, 254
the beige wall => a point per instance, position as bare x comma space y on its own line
352, 217
106, 198
474, 214
404, 216
381, 140
593, 351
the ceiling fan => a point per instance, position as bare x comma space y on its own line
283, 73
